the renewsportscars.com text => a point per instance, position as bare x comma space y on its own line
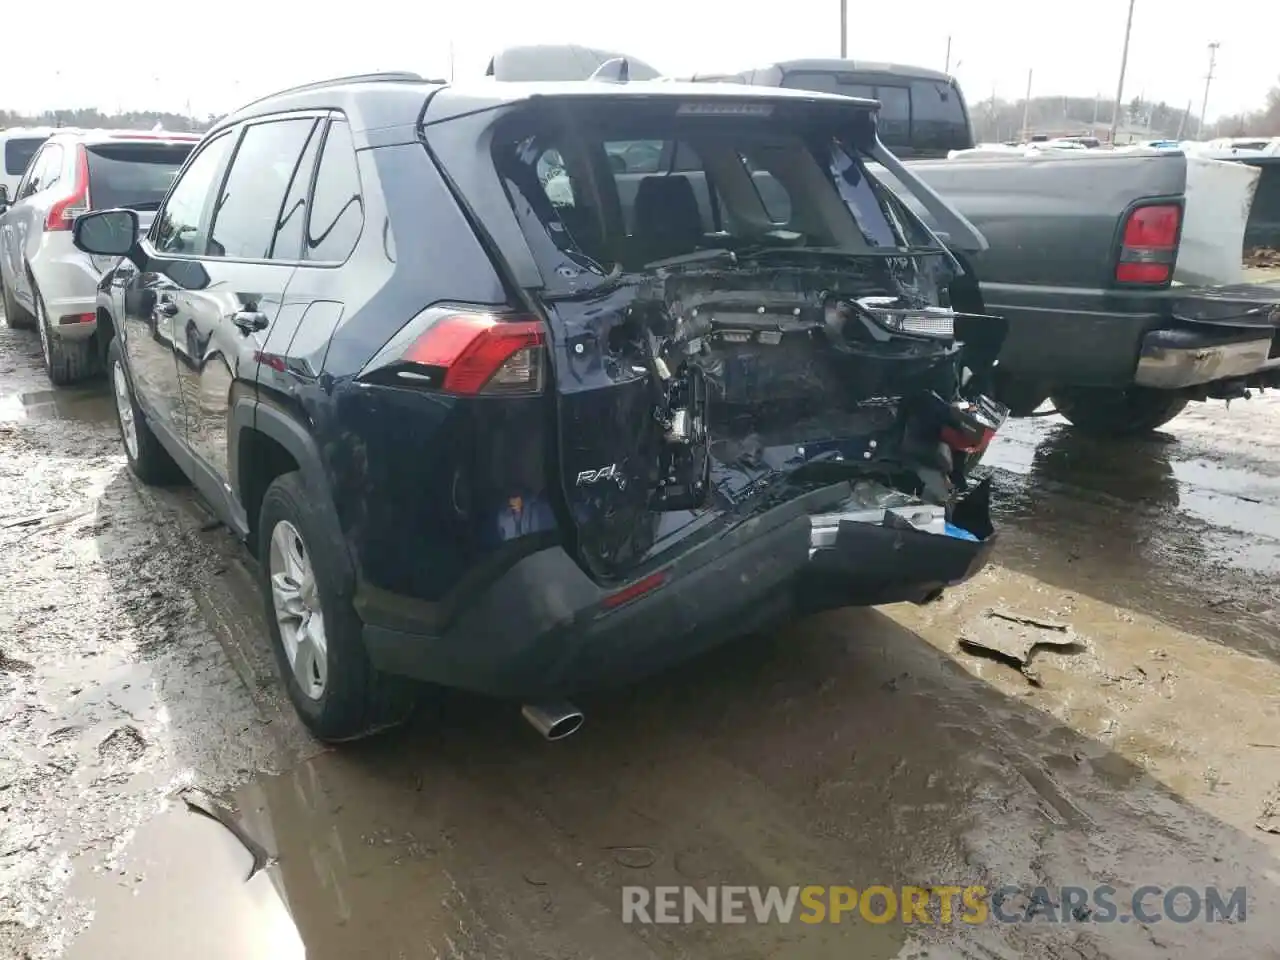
933, 905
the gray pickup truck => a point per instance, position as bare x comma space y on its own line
1105, 265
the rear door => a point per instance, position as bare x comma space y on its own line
219, 330
320, 227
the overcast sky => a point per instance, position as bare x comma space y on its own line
216, 55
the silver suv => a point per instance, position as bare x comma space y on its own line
48, 283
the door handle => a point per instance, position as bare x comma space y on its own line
249, 321
167, 308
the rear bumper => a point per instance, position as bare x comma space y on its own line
1182, 358
1179, 338
68, 282
544, 629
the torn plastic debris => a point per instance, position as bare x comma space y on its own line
875, 503
202, 802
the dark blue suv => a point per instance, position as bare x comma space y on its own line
527, 388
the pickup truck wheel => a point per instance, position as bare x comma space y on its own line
148, 459
14, 314
308, 586
1128, 412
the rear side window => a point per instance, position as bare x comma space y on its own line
18, 153
253, 193
44, 172
135, 175
337, 207
293, 215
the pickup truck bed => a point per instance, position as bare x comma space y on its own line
1122, 359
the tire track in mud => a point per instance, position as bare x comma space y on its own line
113, 691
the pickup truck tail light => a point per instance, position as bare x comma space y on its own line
65, 209
468, 353
1150, 245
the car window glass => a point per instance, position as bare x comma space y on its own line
248, 207
137, 174
938, 117
293, 214
180, 225
44, 172
26, 186
634, 156
337, 208
18, 153
895, 114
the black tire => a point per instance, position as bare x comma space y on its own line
151, 463
15, 315
1129, 412
356, 699
66, 361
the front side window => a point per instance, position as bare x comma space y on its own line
180, 227
337, 205
253, 193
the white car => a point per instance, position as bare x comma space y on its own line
48, 283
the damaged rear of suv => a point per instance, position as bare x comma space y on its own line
759, 399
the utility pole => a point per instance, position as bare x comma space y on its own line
1124, 63
1182, 124
1026, 111
947, 68
1208, 79
844, 29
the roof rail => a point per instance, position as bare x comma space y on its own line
390, 76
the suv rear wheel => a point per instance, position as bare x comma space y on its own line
65, 360
308, 585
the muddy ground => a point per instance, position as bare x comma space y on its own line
860, 747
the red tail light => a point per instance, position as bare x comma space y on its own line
1150, 245
65, 210
479, 353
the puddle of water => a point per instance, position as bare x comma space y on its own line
88, 404
179, 890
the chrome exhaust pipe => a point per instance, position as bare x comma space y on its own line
554, 721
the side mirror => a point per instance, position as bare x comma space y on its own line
108, 233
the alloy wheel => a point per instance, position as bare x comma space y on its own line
299, 616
